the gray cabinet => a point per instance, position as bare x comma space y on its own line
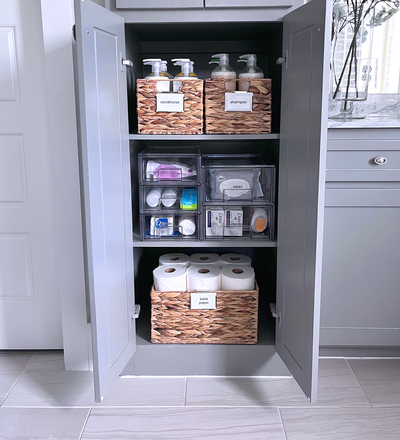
108, 193
159, 4
247, 4
361, 258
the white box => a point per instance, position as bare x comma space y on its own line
214, 222
234, 217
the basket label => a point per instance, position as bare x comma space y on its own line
203, 300
169, 102
239, 102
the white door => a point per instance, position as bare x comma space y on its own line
302, 164
104, 147
30, 315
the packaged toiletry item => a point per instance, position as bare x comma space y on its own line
215, 222
236, 183
155, 63
224, 71
258, 220
187, 225
153, 197
189, 199
233, 222
251, 71
164, 69
168, 170
169, 196
186, 72
162, 225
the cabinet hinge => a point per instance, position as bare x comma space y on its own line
282, 61
274, 313
136, 314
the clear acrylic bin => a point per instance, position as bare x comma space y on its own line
238, 222
170, 165
169, 199
169, 227
238, 177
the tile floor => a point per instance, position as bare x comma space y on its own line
358, 399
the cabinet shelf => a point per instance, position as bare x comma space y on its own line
236, 243
202, 137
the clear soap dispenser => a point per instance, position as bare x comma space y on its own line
186, 72
251, 71
156, 73
224, 71
164, 69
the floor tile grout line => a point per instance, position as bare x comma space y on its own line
355, 377
17, 379
283, 426
84, 424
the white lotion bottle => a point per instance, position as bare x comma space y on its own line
153, 197
224, 71
155, 63
251, 71
258, 220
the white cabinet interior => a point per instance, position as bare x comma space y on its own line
301, 179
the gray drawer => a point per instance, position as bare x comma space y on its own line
360, 165
159, 4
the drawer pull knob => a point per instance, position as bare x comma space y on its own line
380, 160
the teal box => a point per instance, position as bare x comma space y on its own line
189, 199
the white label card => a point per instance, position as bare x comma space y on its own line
239, 102
203, 300
170, 102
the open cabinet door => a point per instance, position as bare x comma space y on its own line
305, 81
105, 174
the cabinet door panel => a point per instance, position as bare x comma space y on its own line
302, 165
105, 175
159, 4
361, 275
247, 4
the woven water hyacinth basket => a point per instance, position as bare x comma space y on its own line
234, 321
255, 122
190, 121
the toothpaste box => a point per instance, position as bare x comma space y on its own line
214, 222
234, 222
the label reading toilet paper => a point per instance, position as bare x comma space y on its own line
203, 300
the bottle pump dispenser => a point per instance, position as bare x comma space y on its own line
156, 73
224, 71
251, 71
164, 69
186, 72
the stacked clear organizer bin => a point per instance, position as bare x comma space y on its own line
169, 193
239, 192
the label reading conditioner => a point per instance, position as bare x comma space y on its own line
170, 102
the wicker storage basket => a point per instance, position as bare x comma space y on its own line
255, 122
234, 321
190, 121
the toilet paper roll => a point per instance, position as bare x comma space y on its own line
176, 258
204, 259
170, 278
238, 259
204, 277
237, 277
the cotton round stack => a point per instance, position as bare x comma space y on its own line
176, 258
204, 259
237, 277
238, 259
170, 278
204, 277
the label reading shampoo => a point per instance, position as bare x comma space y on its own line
239, 102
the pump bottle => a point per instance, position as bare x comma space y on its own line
251, 71
156, 73
186, 72
164, 69
224, 71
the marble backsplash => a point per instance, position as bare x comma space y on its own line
378, 109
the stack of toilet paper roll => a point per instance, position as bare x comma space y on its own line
204, 272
